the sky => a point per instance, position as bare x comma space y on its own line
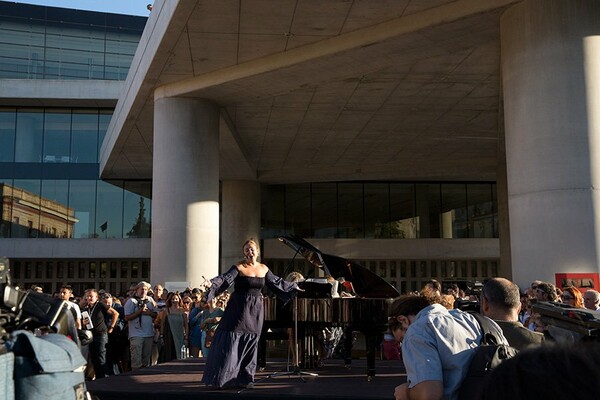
130, 7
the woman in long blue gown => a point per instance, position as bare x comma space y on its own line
233, 354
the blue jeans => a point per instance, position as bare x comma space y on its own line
98, 354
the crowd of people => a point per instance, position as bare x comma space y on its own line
147, 325
439, 341
142, 327
429, 330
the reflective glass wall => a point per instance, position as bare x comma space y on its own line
49, 178
380, 210
58, 43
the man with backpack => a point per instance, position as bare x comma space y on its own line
438, 345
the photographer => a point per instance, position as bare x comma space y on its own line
140, 313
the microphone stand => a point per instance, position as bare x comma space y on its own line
296, 371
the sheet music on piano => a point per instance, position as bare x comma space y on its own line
316, 288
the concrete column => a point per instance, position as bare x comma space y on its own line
505, 265
185, 191
240, 218
551, 106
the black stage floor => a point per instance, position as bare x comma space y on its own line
180, 380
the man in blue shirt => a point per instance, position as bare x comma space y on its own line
437, 346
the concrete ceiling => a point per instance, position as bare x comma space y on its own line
331, 90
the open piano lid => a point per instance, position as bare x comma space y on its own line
365, 282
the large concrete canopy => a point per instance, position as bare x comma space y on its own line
323, 90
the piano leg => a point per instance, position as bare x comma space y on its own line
348, 343
372, 341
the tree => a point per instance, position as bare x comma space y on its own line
141, 228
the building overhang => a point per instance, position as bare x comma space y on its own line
374, 90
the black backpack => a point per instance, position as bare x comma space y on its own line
488, 355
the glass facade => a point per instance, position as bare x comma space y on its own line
380, 210
49, 179
58, 43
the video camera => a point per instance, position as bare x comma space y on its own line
566, 323
20, 310
471, 288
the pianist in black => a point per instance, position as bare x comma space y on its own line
232, 358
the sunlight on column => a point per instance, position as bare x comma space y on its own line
591, 51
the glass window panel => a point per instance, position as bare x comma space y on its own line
57, 136
136, 209
52, 70
60, 270
272, 211
113, 269
21, 37
145, 269
404, 222
428, 209
97, 71
103, 269
135, 269
82, 268
39, 270
494, 265
495, 208
124, 269
82, 43
109, 211
92, 269
480, 210
382, 269
115, 73
64, 55
28, 269
8, 120
12, 68
84, 137
473, 269
324, 210
423, 269
350, 210
377, 210
74, 70
28, 146
454, 211
18, 51
297, 207
26, 208
104, 120
82, 200
55, 215
484, 269
124, 48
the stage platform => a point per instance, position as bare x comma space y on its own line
180, 380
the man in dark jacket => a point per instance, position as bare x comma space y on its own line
500, 301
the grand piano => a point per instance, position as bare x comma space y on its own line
366, 312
